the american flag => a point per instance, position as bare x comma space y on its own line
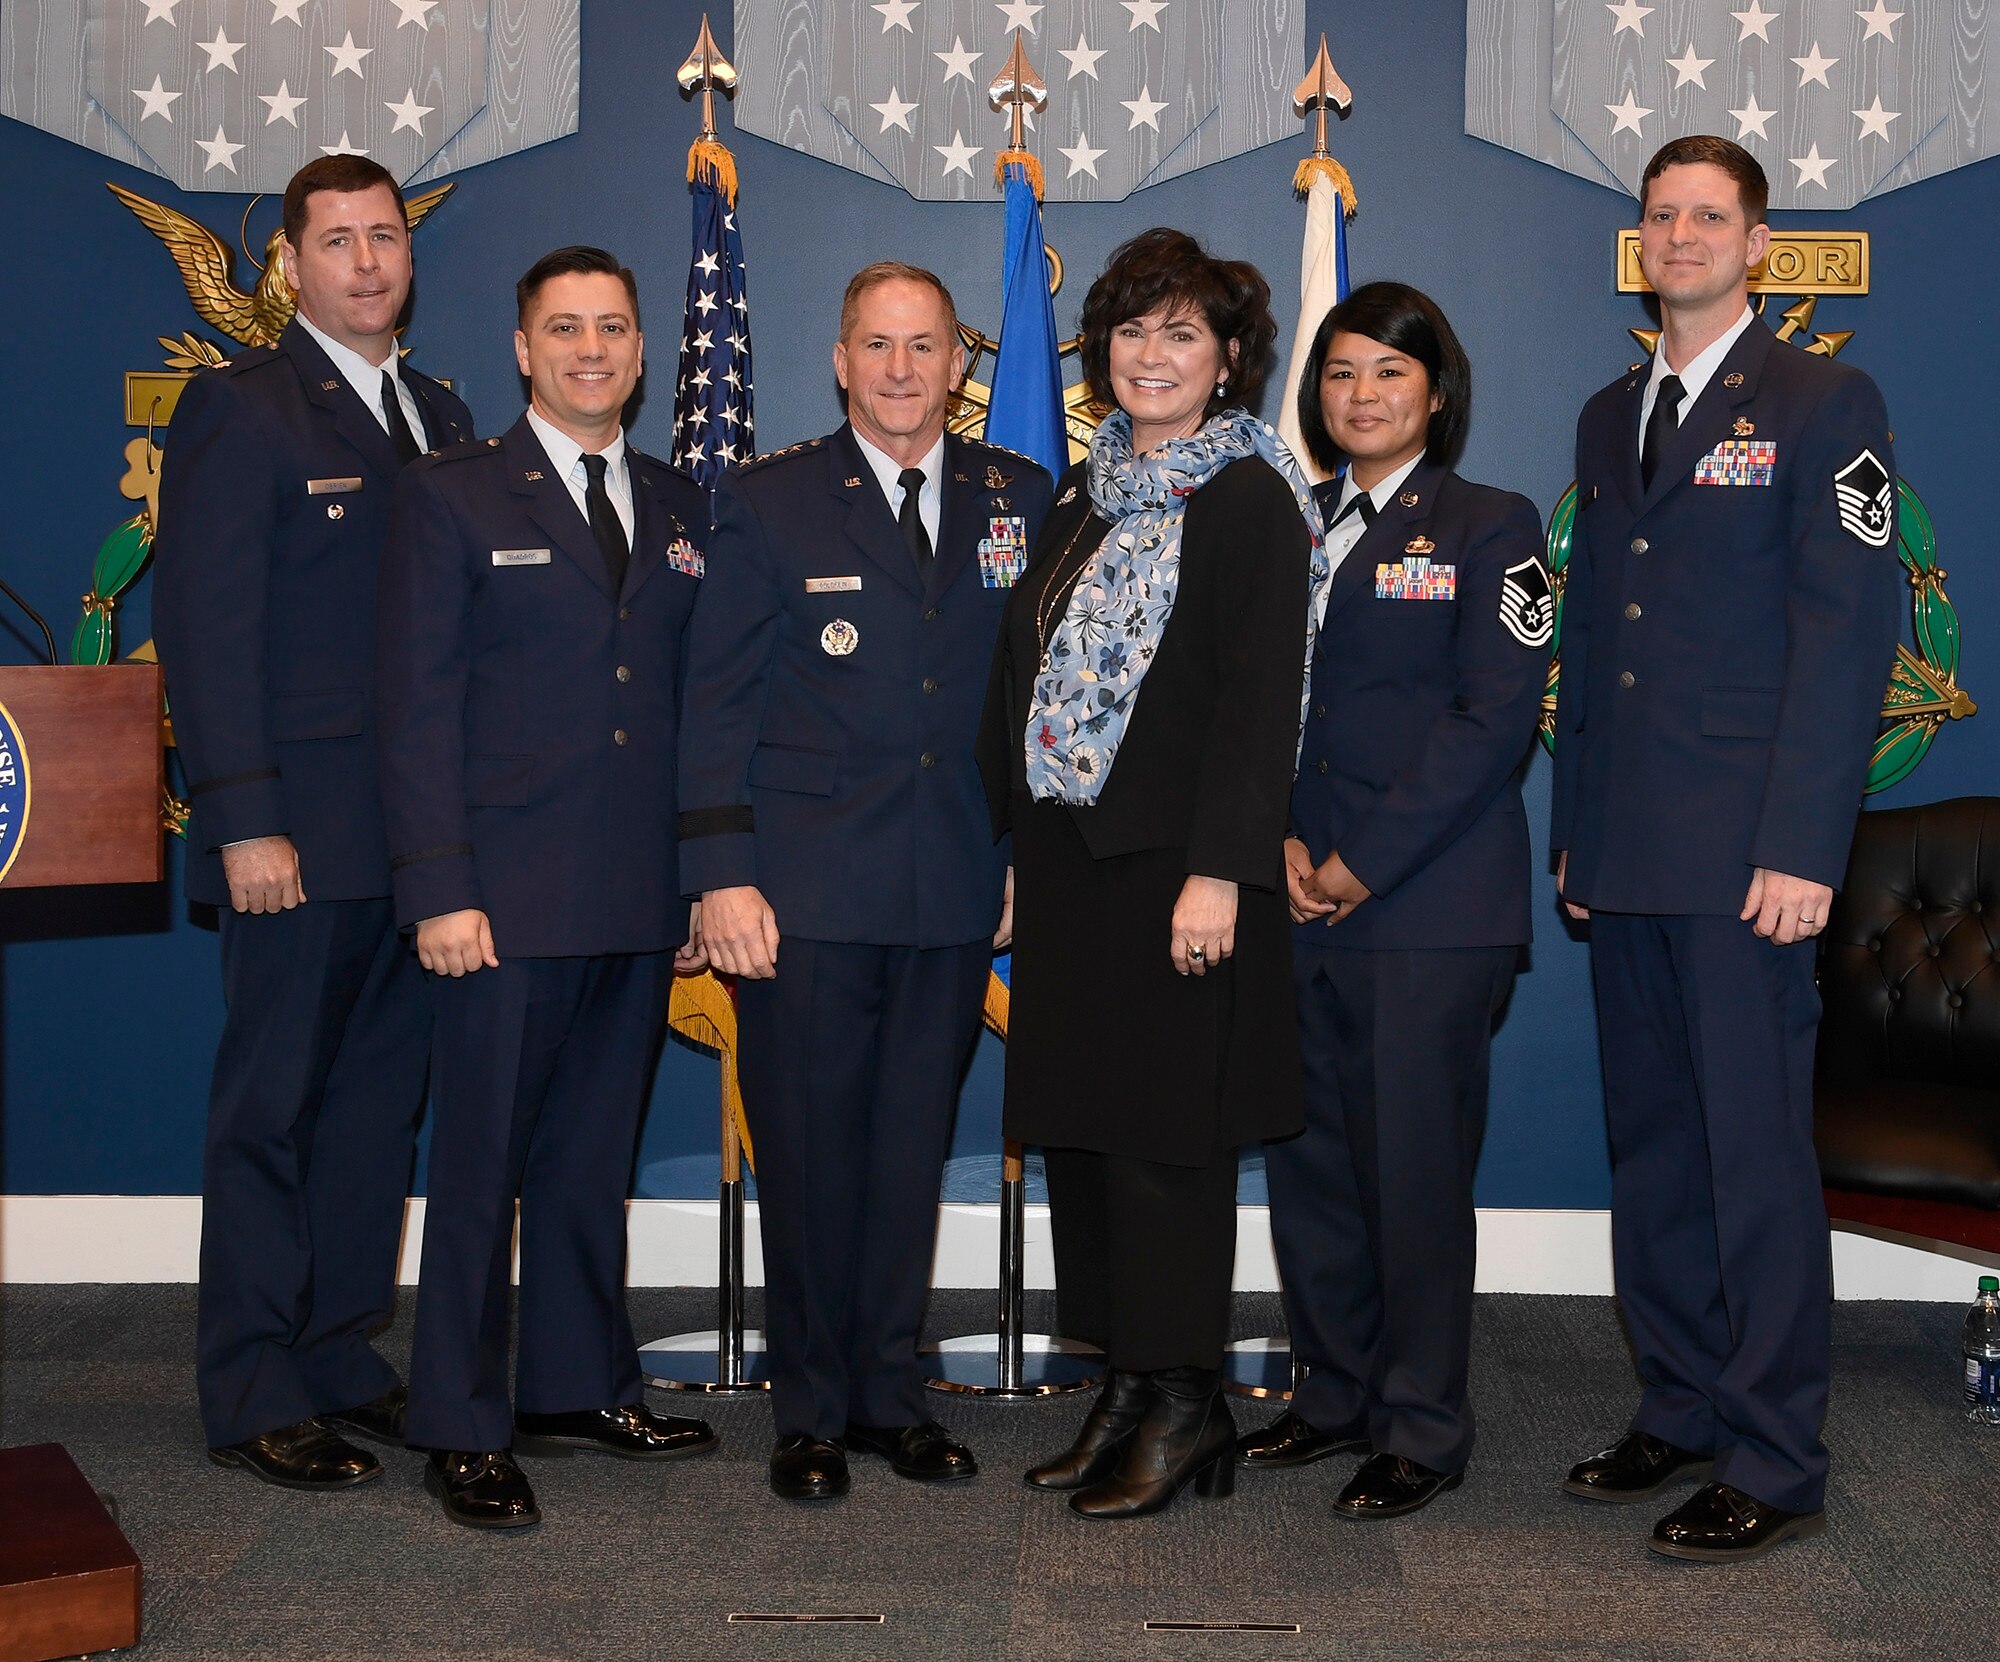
713, 424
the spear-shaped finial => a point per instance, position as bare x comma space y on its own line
708, 69
1018, 89
1320, 91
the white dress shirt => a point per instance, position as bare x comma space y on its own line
566, 457
930, 500
366, 380
1341, 537
1700, 370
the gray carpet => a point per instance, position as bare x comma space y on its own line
635, 1562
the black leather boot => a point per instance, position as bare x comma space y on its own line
1102, 1437
1186, 1436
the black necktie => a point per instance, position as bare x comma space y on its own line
605, 524
911, 518
1665, 422
400, 435
1362, 504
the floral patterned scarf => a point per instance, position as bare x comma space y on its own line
1099, 653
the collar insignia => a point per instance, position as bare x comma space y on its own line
1409, 499
1733, 379
1420, 545
532, 473
852, 482
1744, 427
329, 386
961, 478
996, 480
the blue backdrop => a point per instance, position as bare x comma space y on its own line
108, 999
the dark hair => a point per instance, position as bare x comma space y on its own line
1408, 320
1164, 267
344, 173
895, 271
1731, 157
578, 259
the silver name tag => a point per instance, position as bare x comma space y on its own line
331, 487
832, 585
520, 556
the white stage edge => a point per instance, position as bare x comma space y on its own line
156, 1238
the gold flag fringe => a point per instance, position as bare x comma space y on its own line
711, 156
1325, 167
1027, 164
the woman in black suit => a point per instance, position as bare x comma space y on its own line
1408, 877
1139, 737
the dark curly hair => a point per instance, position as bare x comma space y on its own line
1411, 322
1164, 267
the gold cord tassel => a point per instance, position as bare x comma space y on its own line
1027, 164
1325, 167
709, 155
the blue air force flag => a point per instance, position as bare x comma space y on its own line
1026, 408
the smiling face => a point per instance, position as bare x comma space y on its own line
582, 353
1377, 403
351, 268
1696, 242
1164, 369
899, 361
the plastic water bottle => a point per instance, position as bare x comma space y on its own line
1982, 1354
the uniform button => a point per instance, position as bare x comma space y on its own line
926, 760
618, 737
1322, 764
930, 684
1639, 545
1632, 612
1627, 679
624, 614
624, 674
931, 615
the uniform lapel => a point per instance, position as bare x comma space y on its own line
652, 526
1384, 542
532, 477
961, 501
864, 511
1625, 456
351, 418
440, 425
1710, 419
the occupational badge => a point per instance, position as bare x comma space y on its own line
1866, 496
1420, 545
1744, 427
1409, 499
1733, 379
1527, 604
839, 638
996, 480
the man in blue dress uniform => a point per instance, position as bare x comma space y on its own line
830, 803
274, 498
1729, 625
535, 595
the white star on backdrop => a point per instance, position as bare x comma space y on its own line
222, 55
895, 112
1145, 109
1875, 120
1814, 67
957, 61
1750, 119
345, 147
158, 101
162, 11
287, 11
219, 151
281, 104
409, 113
1145, 14
416, 14
896, 15
1631, 15
1880, 21
1626, 117
1020, 14
1812, 165
1687, 68
1081, 157
958, 154
1082, 61
347, 59
1754, 20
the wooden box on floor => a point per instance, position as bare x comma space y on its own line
69, 1580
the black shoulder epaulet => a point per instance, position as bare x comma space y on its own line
803, 447
464, 450
251, 357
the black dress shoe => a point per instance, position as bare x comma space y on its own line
1102, 1438
804, 1468
1291, 1441
481, 1491
924, 1452
380, 1420
1721, 1525
633, 1432
305, 1455
1387, 1486
1636, 1467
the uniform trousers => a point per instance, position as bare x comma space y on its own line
851, 1059
540, 1078
312, 1116
1371, 1206
1144, 1252
1718, 1225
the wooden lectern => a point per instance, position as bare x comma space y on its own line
82, 774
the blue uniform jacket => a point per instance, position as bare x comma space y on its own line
274, 499
833, 696
1726, 635
528, 715
1422, 712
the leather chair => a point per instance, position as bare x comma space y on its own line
1907, 1090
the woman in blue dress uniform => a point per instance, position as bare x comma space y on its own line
1408, 874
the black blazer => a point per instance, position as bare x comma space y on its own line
1207, 759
